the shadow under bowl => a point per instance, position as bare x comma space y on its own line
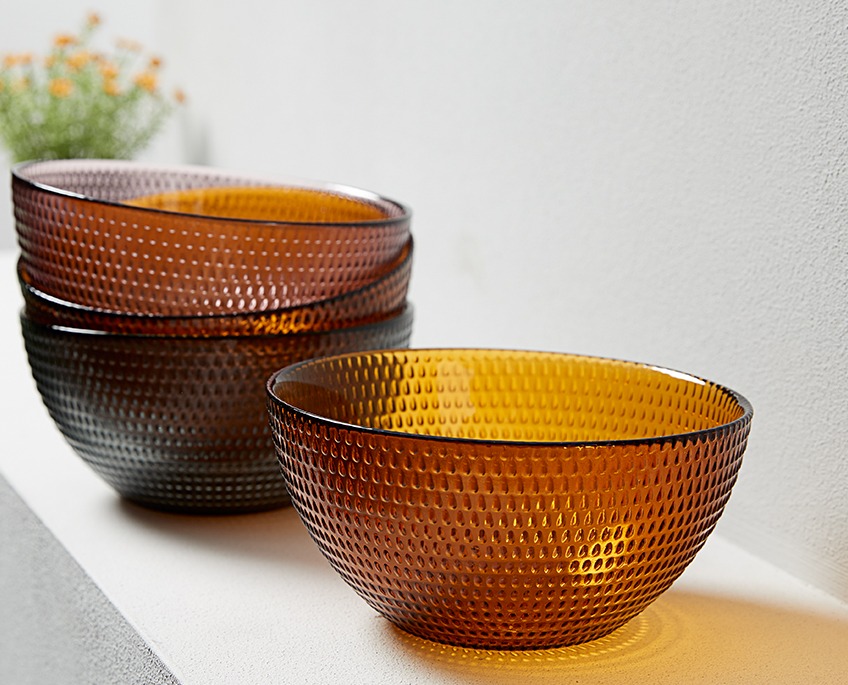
505, 499
134, 238
179, 423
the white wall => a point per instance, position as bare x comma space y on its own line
657, 181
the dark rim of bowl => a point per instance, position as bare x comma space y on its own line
24, 280
744, 404
367, 196
403, 313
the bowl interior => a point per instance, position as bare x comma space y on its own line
506, 396
272, 203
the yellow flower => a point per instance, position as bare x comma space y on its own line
146, 80
60, 87
78, 60
74, 83
108, 70
111, 87
63, 40
127, 44
179, 95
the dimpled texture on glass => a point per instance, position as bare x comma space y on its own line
262, 245
373, 302
179, 423
502, 499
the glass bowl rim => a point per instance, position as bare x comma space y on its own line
737, 423
270, 181
397, 267
405, 311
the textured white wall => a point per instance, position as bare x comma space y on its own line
663, 182
655, 181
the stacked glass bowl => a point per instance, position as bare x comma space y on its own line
159, 299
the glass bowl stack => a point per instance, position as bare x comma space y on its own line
143, 284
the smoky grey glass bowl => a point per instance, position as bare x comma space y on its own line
179, 423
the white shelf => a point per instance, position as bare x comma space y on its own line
249, 599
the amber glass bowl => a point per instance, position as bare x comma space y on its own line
384, 297
129, 238
179, 423
505, 499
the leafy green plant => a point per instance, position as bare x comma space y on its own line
80, 103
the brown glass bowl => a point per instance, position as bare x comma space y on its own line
179, 423
129, 238
502, 499
373, 302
